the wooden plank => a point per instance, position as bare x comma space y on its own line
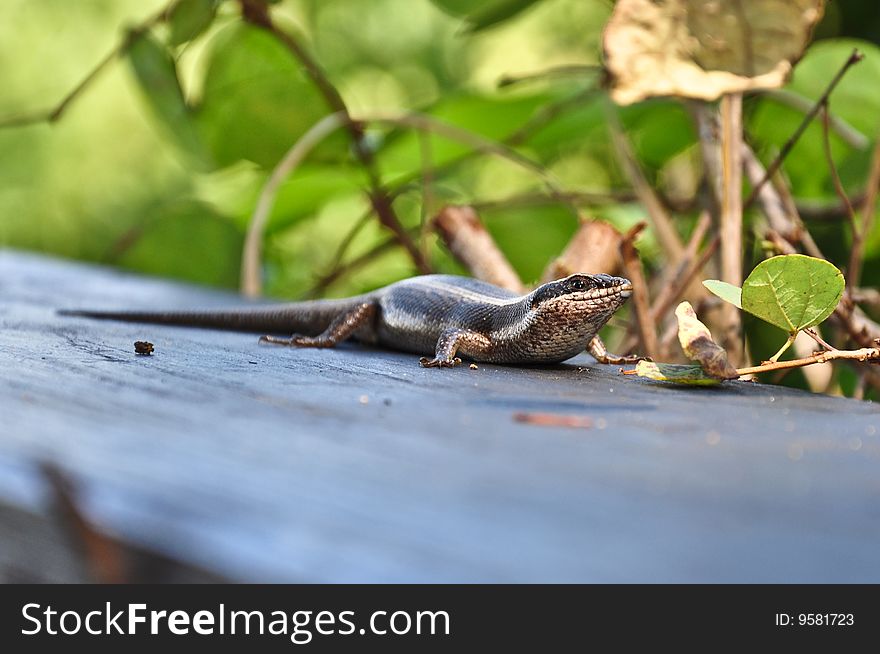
262, 463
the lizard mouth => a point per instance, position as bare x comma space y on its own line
625, 290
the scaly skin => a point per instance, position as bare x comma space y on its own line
445, 314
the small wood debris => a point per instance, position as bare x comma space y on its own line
144, 348
474, 366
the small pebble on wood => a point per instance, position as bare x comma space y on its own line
144, 348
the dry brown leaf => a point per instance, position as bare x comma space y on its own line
697, 343
704, 48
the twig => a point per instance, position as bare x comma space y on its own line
841, 193
863, 354
817, 210
672, 292
256, 12
594, 248
55, 113
632, 266
479, 143
774, 206
812, 333
854, 58
730, 227
869, 206
660, 220
545, 115
843, 129
251, 279
541, 118
348, 239
427, 206
338, 271
530, 199
570, 70
470, 243
835, 177
869, 296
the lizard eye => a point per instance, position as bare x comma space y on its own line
578, 284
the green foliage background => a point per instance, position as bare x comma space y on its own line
144, 176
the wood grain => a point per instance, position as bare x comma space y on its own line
270, 464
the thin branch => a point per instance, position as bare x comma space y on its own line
469, 242
546, 114
339, 271
570, 70
854, 58
522, 133
843, 129
869, 206
730, 225
251, 279
427, 205
256, 12
841, 193
672, 292
478, 143
835, 177
819, 210
863, 354
780, 212
55, 113
632, 267
531, 199
660, 220
814, 334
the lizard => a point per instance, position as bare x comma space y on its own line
446, 314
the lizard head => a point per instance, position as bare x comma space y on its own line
592, 294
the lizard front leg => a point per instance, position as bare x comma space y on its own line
601, 354
343, 326
448, 344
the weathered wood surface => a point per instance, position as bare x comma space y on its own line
264, 463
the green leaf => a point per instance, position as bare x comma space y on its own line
156, 73
481, 15
257, 100
690, 374
727, 292
189, 18
793, 291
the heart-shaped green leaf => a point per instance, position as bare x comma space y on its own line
793, 291
156, 72
727, 292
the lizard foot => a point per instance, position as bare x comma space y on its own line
298, 341
439, 363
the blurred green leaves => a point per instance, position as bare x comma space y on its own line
187, 240
480, 15
257, 100
156, 73
856, 100
189, 18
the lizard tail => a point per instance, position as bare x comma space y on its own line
307, 318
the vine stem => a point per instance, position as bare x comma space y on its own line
251, 279
863, 354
